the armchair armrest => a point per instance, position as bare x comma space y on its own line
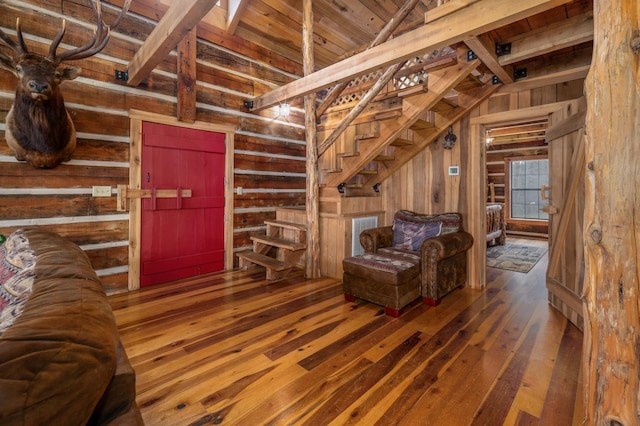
375, 238
446, 245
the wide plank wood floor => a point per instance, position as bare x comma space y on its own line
232, 349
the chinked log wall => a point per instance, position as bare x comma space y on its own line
269, 151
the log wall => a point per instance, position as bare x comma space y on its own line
269, 150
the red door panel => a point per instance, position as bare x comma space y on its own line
182, 237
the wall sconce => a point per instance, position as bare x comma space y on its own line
449, 139
341, 187
376, 187
285, 109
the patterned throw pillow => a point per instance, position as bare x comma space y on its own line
450, 221
410, 235
17, 271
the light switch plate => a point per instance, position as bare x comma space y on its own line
101, 191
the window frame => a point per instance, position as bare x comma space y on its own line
507, 193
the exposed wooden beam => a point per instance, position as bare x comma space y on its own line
187, 78
478, 18
234, 11
484, 48
563, 76
182, 17
571, 32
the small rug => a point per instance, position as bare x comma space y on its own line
513, 257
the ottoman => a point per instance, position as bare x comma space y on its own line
390, 279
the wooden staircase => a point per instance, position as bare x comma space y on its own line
278, 250
396, 126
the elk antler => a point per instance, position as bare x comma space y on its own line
96, 44
20, 48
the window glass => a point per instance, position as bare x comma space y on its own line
526, 179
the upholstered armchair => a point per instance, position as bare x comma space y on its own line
443, 258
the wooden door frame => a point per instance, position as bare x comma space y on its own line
135, 181
476, 181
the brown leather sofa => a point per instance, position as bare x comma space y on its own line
393, 275
61, 361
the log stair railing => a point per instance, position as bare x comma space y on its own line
278, 251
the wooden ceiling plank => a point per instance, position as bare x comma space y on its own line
484, 49
478, 17
182, 17
570, 32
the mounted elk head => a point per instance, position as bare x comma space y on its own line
39, 129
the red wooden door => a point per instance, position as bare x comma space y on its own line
181, 237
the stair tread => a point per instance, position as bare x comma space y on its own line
420, 124
262, 260
348, 154
279, 242
401, 142
385, 158
368, 172
285, 224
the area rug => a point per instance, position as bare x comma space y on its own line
514, 257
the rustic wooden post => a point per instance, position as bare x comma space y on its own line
313, 217
187, 78
612, 218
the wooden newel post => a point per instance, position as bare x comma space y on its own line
611, 359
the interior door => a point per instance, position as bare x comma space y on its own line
565, 273
181, 237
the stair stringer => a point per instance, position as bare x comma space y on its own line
472, 99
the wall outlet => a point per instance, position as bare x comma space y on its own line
101, 191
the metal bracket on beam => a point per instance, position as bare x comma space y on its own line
471, 56
122, 75
495, 80
519, 73
247, 104
503, 49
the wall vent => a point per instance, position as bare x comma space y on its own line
359, 224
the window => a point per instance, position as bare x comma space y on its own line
526, 177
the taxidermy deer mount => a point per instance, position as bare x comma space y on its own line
39, 129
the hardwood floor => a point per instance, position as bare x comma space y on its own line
232, 349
